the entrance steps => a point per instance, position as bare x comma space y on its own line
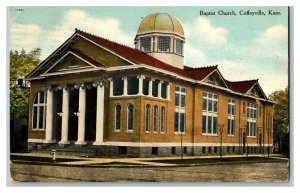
70, 149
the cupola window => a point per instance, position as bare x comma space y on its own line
164, 44
179, 47
146, 44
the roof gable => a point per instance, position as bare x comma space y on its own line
256, 91
73, 60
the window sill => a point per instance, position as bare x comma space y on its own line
137, 95
179, 133
37, 129
251, 136
129, 131
208, 134
117, 131
231, 135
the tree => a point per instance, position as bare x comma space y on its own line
21, 64
281, 118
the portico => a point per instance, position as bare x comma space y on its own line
74, 107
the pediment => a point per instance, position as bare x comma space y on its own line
69, 62
215, 78
256, 91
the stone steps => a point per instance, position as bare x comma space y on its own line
70, 149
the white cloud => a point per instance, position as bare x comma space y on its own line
24, 36
240, 70
204, 31
273, 44
31, 36
106, 27
273, 35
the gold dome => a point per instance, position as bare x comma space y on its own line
161, 22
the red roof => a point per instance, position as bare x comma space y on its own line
241, 86
140, 57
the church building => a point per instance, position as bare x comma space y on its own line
97, 96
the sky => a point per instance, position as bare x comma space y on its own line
243, 46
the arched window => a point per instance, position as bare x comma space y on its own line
130, 117
148, 108
155, 123
39, 111
163, 118
117, 117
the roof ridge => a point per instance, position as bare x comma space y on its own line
198, 68
78, 30
134, 49
239, 81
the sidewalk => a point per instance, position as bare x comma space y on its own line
83, 161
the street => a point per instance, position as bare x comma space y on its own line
242, 172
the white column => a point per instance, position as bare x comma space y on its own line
155, 40
159, 89
125, 86
150, 87
141, 78
99, 114
65, 117
81, 116
171, 45
174, 45
168, 91
49, 117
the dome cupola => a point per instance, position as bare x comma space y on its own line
162, 36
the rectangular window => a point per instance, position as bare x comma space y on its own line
146, 44
180, 111
182, 122
146, 86
179, 46
42, 117
164, 90
164, 44
177, 100
133, 85
210, 113
204, 124
154, 150
251, 120
35, 115
176, 121
155, 88
231, 116
173, 150
118, 85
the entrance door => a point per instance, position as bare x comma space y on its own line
57, 108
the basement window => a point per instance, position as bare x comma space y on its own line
122, 150
154, 150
